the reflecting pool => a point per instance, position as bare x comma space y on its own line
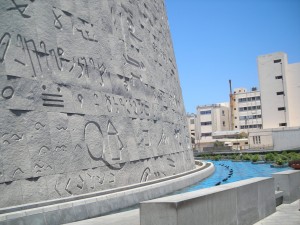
228, 171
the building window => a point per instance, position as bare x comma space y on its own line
281, 108
250, 117
192, 121
278, 77
282, 124
277, 60
223, 113
235, 126
206, 123
223, 123
206, 134
241, 109
280, 93
205, 112
249, 99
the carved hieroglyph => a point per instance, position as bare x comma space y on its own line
89, 98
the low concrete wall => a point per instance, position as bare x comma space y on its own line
243, 202
288, 182
75, 209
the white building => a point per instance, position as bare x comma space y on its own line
211, 118
246, 108
278, 139
280, 91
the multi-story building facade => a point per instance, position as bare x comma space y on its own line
280, 91
246, 109
211, 118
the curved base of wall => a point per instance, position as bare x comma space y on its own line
99, 203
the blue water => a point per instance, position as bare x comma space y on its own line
228, 171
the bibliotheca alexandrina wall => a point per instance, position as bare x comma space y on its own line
90, 98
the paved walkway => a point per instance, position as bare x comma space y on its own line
286, 214
131, 217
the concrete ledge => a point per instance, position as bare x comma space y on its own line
289, 182
243, 202
89, 207
279, 197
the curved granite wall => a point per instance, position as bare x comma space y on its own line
89, 98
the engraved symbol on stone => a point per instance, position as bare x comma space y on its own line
77, 147
111, 178
4, 41
146, 139
94, 140
21, 45
46, 54
114, 143
57, 22
5, 141
171, 162
96, 103
80, 99
86, 29
145, 175
7, 92
17, 171
56, 188
79, 185
16, 137
39, 126
52, 100
163, 140
62, 128
34, 50
102, 71
39, 168
43, 150
97, 178
20, 7
108, 103
61, 148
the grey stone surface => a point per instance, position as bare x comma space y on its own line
242, 202
288, 182
84, 104
285, 214
130, 217
101, 204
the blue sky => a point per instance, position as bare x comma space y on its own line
218, 40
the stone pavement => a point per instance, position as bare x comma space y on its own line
131, 217
286, 214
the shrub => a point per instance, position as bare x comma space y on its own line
255, 158
217, 157
279, 161
246, 157
237, 157
269, 157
